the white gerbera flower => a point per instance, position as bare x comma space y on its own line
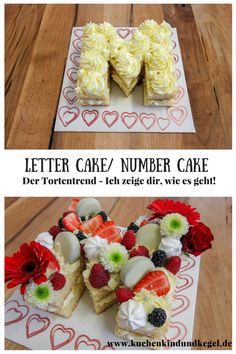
40, 295
174, 225
114, 257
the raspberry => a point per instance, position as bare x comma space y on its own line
133, 226
129, 239
54, 231
139, 251
99, 276
58, 281
124, 294
159, 258
157, 317
66, 213
173, 264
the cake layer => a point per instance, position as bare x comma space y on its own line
72, 299
151, 102
102, 298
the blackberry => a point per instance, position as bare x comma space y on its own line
103, 215
60, 223
157, 317
80, 236
132, 226
82, 218
159, 258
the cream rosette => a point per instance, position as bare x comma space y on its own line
139, 44
117, 44
91, 83
160, 61
92, 61
107, 30
97, 43
149, 28
90, 28
127, 64
162, 82
165, 28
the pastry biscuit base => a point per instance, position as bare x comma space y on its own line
77, 290
154, 102
102, 298
95, 100
126, 89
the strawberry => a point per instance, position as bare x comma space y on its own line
71, 222
73, 204
99, 276
173, 264
129, 239
91, 225
139, 251
54, 231
155, 280
124, 294
144, 222
66, 213
58, 281
108, 231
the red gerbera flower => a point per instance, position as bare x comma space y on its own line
160, 208
29, 263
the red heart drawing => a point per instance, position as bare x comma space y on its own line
129, 119
177, 331
179, 95
40, 323
110, 118
107, 347
186, 264
176, 58
184, 282
77, 45
89, 117
181, 304
177, 114
14, 312
123, 32
78, 32
173, 44
177, 73
74, 57
68, 114
59, 330
163, 123
69, 94
147, 120
72, 74
84, 341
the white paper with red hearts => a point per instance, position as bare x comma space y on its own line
125, 114
36, 329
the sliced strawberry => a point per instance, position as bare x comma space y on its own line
71, 222
109, 231
91, 225
155, 280
73, 203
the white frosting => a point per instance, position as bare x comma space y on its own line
171, 246
132, 315
93, 246
45, 239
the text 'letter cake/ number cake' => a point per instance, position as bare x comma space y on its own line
146, 56
137, 268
